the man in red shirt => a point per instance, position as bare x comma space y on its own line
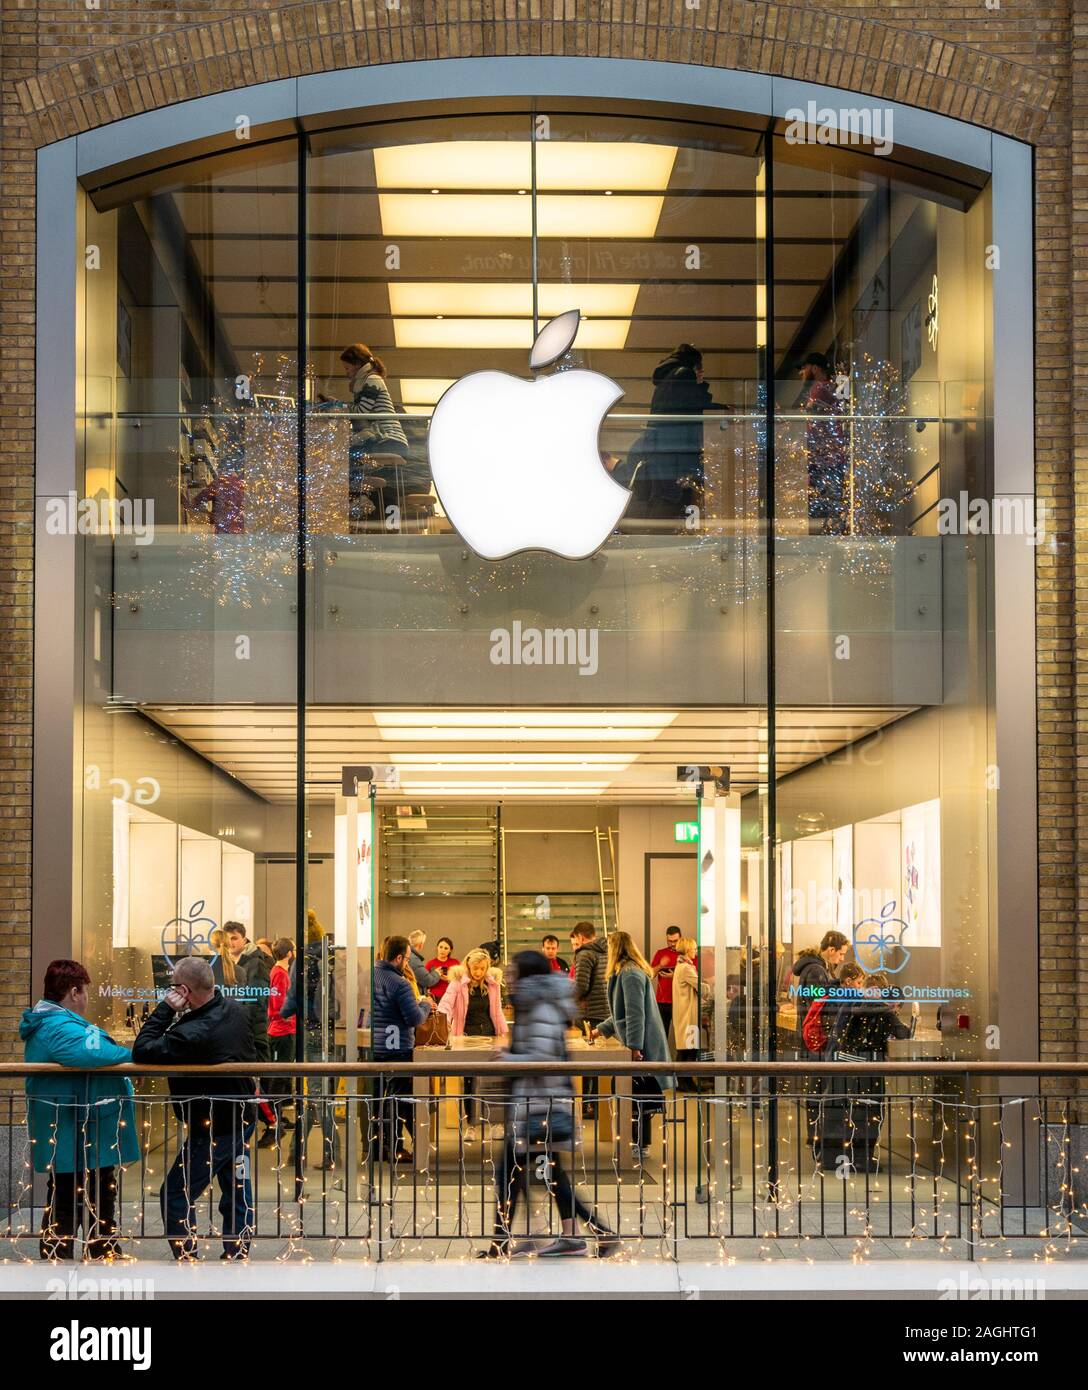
661, 969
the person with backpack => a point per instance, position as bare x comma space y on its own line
541, 1114
820, 1020
813, 976
852, 1114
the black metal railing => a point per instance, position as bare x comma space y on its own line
427, 1161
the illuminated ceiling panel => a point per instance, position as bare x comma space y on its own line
471, 299
610, 334
502, 215
507, 164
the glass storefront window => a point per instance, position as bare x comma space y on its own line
758, 711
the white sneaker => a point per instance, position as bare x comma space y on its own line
470, 1134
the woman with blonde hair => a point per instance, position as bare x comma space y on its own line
685, 1007
635, 1020
473, 1004
225, 971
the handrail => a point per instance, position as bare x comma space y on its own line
601, 1067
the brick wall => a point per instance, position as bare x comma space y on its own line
67, 66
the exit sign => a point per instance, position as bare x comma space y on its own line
684, 831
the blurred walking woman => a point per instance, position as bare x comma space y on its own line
540, 1117
635, 1020
376, 432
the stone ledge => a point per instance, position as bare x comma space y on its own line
567, 1279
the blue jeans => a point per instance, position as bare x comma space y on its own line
202, 1156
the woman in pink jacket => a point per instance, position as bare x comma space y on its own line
473, 1004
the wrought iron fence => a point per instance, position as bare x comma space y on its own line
419, 1160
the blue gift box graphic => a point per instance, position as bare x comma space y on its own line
878, 942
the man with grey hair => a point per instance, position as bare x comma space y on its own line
194, 1023
424, 978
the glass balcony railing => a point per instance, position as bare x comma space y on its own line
679, 583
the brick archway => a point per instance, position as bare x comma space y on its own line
894, 64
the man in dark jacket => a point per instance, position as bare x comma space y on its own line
195, 1024
395, 1015
590, 989
671, 477
258, 982
590, 965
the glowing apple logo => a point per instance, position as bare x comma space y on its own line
516, 464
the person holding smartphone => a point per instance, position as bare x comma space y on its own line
662, 969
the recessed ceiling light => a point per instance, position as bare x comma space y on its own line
505, 215
475, 300
513, 334
508, 164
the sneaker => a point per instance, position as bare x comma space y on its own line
497, 1250
267, 1140
240, 1253
639, 1156
563, 1245
608, 1243
470, 1134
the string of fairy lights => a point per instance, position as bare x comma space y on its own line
941, 1193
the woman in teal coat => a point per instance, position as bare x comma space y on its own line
81, 1127
635, 1019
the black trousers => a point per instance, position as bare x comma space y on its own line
283, 1050
511, 1175
87, 1200
647, 1100
665, 1010
390, 1114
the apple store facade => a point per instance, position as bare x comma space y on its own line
488, 503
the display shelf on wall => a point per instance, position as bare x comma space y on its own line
525, 926
440, 853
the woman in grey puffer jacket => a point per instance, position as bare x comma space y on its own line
541, 1115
